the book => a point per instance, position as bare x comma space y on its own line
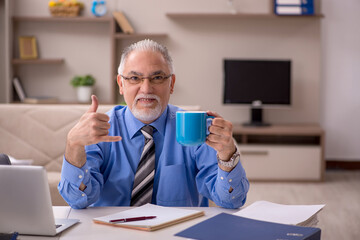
294, 10
300, 215
9, 236
232, 227
165, 216
19, 89
25, 99
123, 23
294, 2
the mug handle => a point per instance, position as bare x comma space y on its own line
209, 120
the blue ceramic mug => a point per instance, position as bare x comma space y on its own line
192, 127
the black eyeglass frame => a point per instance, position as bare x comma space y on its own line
152, 79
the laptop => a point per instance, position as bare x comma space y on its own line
25, 202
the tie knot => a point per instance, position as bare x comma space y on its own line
147, 131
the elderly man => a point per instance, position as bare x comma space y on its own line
129, 156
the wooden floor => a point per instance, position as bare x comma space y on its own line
340, 219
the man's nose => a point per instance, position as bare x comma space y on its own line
146, 86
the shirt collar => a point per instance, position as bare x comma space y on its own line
134, 125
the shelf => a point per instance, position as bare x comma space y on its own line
37, 61
238, 15
63, 19
138, 35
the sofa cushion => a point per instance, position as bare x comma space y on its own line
38, 132
54, 179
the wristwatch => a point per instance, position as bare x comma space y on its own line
234, 160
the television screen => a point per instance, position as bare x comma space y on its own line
268, 81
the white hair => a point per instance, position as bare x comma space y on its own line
145, 45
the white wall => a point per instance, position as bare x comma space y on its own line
341, 79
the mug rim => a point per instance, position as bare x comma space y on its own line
184, 111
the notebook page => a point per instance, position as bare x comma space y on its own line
163, 215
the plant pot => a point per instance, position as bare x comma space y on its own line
84, 93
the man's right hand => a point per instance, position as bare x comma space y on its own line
92, 128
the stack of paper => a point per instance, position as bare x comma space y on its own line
301, 215
165, 216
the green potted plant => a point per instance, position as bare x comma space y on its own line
84, 87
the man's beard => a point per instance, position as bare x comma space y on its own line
147, 114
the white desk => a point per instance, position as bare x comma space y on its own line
86, 229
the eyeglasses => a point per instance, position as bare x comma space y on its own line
155, 80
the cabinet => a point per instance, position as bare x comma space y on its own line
282, 152
66, 24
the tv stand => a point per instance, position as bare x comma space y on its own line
256, 124
293, 152
256, 113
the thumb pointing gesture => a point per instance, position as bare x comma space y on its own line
94, 104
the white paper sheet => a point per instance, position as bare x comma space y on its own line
279, 213
61, 211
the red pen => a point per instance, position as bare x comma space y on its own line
133, 219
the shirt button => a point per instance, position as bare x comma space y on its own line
233, 198
222, 178
86, 170
80, 176
230, 180
83, 195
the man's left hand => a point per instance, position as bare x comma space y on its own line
220, 137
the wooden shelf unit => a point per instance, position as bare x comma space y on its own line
113, 35
282, 152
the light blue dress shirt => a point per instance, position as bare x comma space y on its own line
184, 176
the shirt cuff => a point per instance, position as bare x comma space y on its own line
232, 180
75, 175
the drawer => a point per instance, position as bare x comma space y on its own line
281, 162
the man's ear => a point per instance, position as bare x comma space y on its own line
120, 84
172, 84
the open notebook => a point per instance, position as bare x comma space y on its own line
165, 216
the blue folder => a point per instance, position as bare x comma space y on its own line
230, 227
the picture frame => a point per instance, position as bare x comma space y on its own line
28, 47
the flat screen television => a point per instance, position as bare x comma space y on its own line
257, 83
